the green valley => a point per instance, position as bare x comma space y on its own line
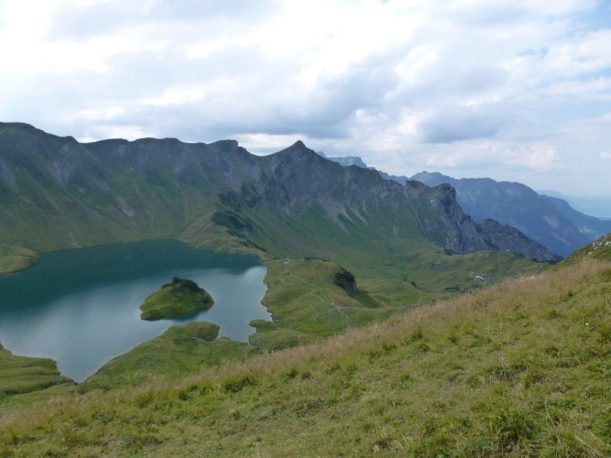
518, 369
219, 237
381, 295
307, 218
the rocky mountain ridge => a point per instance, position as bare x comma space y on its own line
549, 220
56, 192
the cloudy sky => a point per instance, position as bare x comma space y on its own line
512, 89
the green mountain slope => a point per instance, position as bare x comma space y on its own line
57, 193
21, 375
545, 217
305, 216
520, 369
599, 249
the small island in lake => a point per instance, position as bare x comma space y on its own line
180, 298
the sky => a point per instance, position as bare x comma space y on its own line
515, 90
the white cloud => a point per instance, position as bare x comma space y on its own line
265, 143
539, 157
502, 87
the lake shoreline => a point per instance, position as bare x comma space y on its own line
155, 254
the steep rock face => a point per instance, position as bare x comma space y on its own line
291, 202
345, 280
462, 235
547, 220
297, 178
465, 236
505, 237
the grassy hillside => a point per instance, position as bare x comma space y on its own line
519, 369
14, 258
599, 249
29, 378
302, 294
401, 242
179, 351
306, 305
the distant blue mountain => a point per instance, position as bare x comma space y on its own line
598, 206
548, 220
348, 160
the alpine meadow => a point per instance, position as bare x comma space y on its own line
305, 229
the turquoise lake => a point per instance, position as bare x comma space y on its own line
81, 306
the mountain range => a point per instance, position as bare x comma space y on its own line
344, 248
551, 221
598, 206
56, 192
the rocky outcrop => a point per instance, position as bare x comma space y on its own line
345, 280
505, 237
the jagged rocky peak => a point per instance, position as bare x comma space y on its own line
298, 148
297, 153
549, 221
